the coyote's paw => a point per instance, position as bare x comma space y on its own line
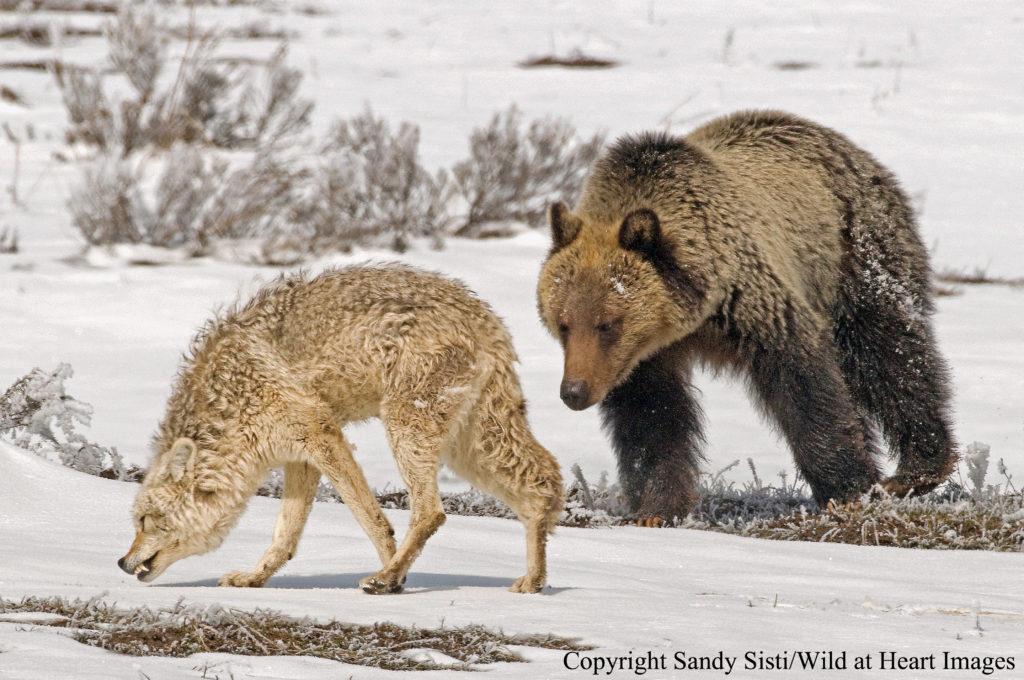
379, 584
528, 583
243, 579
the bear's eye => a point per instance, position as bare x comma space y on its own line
608, 326
563, 330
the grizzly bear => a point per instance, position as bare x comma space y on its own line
764, 244
273, 382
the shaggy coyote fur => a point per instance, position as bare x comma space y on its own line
272, 384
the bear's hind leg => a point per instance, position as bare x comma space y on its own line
895, 371
804, 391
655, 424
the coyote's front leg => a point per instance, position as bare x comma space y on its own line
300, 482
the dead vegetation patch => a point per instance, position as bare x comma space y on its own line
41, 34
84, 6
28, 65
184, 630
795, 65
575, 59
11, 95
976, 276
910, 523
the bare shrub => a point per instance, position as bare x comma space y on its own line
198, 200
137, 47
263, 110
514, 171
188, 183
372, 190
89, 111
107, 205
207, 101
253, 201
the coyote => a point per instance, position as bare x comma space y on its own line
273, 382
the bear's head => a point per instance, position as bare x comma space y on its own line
613, 294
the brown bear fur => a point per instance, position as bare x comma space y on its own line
765, 244
273, 382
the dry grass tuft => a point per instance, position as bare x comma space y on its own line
29, 65
184, 630
84, 6
575, 59
795, 65
906, 523
976, 276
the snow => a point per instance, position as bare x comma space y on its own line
622, 589
932, 89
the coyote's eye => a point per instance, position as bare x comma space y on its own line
147, 524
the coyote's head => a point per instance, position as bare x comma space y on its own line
186, 507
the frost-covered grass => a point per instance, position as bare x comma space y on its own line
184, 630
967, 524
36, 413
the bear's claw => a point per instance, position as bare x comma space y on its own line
654, 522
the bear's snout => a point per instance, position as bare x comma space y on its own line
575, 394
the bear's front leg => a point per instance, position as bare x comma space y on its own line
655, 426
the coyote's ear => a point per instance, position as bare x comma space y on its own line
182, 458
641, 232
564, 226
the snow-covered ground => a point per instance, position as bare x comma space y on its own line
934, 89
622, 589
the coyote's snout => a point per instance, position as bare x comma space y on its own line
273, 382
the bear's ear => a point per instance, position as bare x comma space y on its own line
640, 231
564, 226
181, 459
